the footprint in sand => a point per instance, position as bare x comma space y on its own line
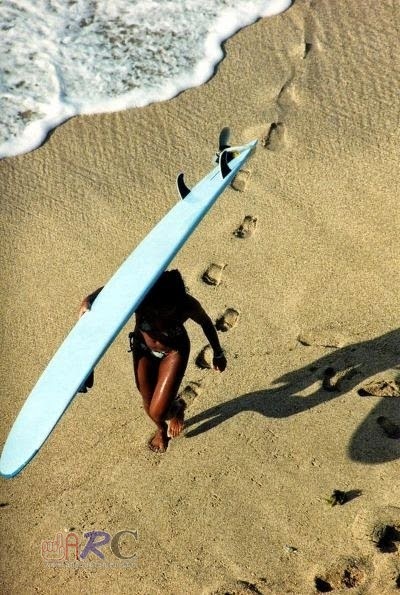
378, 528
190, 392
330, 380
307, 49
288, 95
386, 537
380, 388
313, 32
241, 180
204, 358
242, 587
275, 138
333, 380
323, 338
228, 320
345, 574
213, 274
247, 228
391, 429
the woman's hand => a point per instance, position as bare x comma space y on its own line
85, 307
88, 301
219, 361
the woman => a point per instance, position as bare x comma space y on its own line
160, 347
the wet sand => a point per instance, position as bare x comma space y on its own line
307, 261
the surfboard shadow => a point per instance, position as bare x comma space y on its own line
356, 363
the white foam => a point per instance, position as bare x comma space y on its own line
59, 58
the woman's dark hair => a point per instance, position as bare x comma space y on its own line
169, 289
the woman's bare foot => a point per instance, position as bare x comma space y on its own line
177, 420
159, 442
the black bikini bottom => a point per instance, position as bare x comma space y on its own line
138, 347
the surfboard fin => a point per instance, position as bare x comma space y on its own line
182, 188
223, 141
223, 164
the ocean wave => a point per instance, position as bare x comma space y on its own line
60, 58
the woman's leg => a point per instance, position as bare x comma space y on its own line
170, 373
176, 417
146, 375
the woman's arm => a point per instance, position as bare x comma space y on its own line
197, 313
88, 301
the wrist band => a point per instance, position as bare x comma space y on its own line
221, 354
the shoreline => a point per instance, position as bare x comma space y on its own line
156, 89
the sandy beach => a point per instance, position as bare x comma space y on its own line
238, 503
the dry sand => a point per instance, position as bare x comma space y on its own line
238, 504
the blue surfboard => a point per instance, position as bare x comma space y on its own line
96, 329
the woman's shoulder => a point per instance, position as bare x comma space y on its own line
193, 308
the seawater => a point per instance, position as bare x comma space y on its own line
60, 58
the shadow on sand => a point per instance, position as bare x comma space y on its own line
355, 364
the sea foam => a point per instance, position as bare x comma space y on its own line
60, 58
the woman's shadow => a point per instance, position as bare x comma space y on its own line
354, 363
